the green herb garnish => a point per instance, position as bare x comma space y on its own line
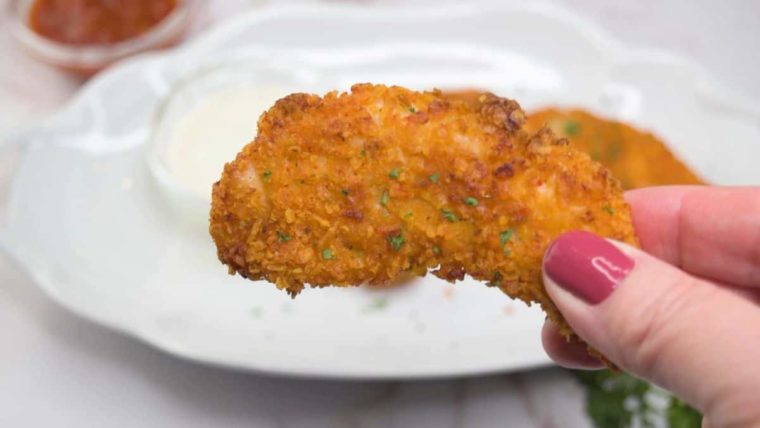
449, 215
344, 192
681, 415
408, 215
266, 175
395, 173
505, 236
621, 401
609, 209
471, 201
412, 109
572, 128
327, 254
436, 250
614, 151
495, 281
396, 241
378, 304
434, 177
282, 236
384, 198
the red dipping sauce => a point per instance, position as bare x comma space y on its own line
96, 22
84, 36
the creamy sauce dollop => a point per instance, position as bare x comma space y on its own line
214, 131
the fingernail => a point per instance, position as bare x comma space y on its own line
586, 265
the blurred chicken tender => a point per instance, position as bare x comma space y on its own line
366, 186
636, 158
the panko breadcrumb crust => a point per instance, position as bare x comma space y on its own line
367, 186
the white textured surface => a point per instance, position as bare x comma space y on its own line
58, 369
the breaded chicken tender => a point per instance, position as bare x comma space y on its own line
366, 186
636, 158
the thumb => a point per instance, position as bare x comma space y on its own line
690, 336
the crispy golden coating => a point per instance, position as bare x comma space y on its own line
636, 158
366, 186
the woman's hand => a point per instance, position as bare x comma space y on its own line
685, 314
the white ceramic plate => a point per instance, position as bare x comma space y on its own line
83, 214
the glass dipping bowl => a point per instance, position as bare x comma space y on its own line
207, 118
85, 60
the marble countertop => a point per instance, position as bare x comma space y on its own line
57, 369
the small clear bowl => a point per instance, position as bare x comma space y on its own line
185, 182
86, 60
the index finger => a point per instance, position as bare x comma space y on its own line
712, 232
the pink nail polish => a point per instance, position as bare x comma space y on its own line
586, 265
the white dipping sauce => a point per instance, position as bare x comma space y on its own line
214, 131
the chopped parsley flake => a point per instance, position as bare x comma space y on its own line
436, 250
449, 215
495, 281
609, 209
572, 128
505, 236
384, 198
378, 304
412, 109
434, 177
408, 215
282, 236
266, 175
615, 399
327, 254
614, 150
396, 241
471, 201
507, 252
344, 192
395, 173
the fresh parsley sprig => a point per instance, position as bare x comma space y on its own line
619, 400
